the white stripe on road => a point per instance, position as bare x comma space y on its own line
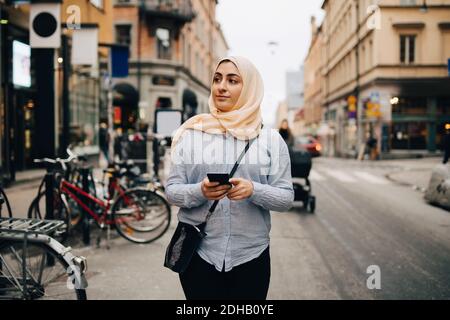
315, 176
370, 177
340, 175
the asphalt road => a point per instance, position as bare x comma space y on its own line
362, 219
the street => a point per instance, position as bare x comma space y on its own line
362, 219
114, 86
359, 223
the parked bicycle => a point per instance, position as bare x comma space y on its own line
132, 177
33, 265
140, 215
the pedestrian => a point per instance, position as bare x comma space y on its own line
104, 140
372, 147
233, 260
286, 133
118, 144
446, 144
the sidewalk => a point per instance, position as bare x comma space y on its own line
418, 179
415, 172
28, 176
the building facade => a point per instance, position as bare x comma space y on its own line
174, 46
385, 74
73, 117
314, 81
295, 99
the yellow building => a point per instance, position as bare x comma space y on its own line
391, 59
313, 80
174, 46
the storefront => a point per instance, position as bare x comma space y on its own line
17, 132
406, 116
125, 102
84, 104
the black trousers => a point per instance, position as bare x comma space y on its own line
249, 281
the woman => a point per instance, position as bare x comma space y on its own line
233, 260
286, 133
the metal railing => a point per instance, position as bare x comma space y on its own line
180, 8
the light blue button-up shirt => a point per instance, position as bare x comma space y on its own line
238, 231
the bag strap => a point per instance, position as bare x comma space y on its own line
236, 165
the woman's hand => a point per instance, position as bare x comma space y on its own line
242, 189
213, 191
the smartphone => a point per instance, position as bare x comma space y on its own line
222, 178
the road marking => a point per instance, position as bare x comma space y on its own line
340, 175
315, 176
370, 177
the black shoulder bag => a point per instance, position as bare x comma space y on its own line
187, 237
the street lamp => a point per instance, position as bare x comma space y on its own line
272, 44
424, 7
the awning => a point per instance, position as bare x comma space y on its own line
125, 94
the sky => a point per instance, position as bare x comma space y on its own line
249, 26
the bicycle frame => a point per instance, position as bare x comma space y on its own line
73, 191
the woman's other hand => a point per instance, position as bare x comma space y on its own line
213, 191
242, 189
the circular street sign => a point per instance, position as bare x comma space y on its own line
44, 24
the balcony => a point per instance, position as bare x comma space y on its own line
178, 11
167, 14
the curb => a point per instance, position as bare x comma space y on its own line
406, 184
21, 182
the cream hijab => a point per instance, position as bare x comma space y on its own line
244, 120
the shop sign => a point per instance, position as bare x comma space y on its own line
117, 115
163, 81
352, 108
45, 25
372, 106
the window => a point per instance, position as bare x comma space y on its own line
409, 135
363, 58
408, 3
97, 3
189, 61
163, 43
410, 106
164, 102
407, 49
123, 34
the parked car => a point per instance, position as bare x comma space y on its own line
309, 144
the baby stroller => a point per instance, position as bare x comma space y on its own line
300, 168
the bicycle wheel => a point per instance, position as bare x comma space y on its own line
141, 215
48, 275
65, 208
8, 206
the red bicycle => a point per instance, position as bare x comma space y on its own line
140, 215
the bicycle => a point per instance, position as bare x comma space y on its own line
62, 207
131, 177
139, 215
33, 265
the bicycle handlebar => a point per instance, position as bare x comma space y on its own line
62, 162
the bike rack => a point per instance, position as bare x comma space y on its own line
24, 229
10, 226
40, 231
